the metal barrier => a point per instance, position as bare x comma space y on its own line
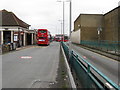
90, 76
104, 45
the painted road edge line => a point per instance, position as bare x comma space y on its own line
69, 71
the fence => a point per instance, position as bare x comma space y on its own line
90, 76
104, 45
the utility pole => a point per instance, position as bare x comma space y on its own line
63, 20
70, 19
61, 25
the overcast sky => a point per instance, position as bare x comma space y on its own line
47, 13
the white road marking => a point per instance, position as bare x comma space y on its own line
98, 54
26, 57
39, 46
84, 57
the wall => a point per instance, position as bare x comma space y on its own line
88, 23
0, 37
109, 22
76, 23
111, 25
75, 36
119, 25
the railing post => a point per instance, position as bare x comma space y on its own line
77, 57
88, 68
70, 55
70, 61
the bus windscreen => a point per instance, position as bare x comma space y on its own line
42, 31
42, 37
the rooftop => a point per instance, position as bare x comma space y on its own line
10, 19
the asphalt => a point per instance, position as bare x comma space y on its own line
102, 52
107, 66
34, 67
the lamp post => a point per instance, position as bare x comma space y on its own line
63, 20
61, 25
70, 18
63, 17
70, 26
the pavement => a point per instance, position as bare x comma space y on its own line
31, 67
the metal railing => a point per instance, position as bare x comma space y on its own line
90, 76
104, 45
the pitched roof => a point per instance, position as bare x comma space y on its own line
10, 19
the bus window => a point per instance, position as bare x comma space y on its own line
42, 37
42, 31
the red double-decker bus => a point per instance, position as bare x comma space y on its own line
59, 38
43, 37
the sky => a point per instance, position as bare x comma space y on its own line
48, 13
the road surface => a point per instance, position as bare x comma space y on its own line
34, 67
106, 65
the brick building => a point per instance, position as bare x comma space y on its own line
13, 29
109, 23
88, 25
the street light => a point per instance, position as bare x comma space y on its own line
70, 18
70, 22
61, 25
63, 17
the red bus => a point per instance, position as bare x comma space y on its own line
43, 37
59, 38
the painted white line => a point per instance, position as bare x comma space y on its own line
26, 57
84, 57
96, 53
69, 71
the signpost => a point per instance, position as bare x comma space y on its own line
99, 29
